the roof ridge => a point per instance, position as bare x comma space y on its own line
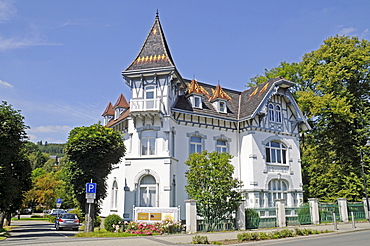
121, 102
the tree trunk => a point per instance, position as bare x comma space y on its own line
2, 216
8, 219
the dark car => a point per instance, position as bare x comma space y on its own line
67, 221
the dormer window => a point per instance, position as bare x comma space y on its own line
222, 107
274, 112
197, 101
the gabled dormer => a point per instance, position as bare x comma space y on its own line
219, 99
120, 107
108, 114
195, 94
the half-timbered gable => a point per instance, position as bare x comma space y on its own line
169, 117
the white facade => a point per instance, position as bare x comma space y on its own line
168, 117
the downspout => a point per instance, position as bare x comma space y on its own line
238, 140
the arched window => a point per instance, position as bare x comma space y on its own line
148, 138
221, 146
148, 191
278, 189
278, 113
276, 153
114, 197
195, 144
271, 112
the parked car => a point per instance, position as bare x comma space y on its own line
67, 221
26, 211
56, 212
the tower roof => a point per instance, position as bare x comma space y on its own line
108, 110
121, 102
155, 52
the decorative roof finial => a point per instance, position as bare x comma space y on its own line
157, 14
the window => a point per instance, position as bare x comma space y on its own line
148, 191
195, 144
274, 113
114, 195
221, 146
148, 138
277, 190
278, 113
271, 113
197, 102
276, 153
149, 96
223, 107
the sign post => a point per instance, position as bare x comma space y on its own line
90, 197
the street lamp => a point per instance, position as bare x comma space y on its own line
365, 181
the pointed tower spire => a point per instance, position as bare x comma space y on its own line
155, 52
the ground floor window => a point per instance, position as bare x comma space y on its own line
278, 189
148, 191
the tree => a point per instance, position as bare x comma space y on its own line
210, 182
91, 152
15, 168
333, 91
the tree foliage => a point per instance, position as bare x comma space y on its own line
91, 152
210, 181
14, 166
333, 91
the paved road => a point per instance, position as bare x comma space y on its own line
43, 233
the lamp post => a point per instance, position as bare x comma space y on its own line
365, 182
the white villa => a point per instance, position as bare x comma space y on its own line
169, 117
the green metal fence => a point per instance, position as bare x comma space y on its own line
326, 211
358, 210
216, 225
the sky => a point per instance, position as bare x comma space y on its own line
61, 61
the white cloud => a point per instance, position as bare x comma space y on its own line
5, 84
365, 34
347, 30
17, 43
49, 129
7, 10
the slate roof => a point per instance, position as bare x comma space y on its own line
248, 100
155, 52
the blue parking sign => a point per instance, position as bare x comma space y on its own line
90, 187
59, 200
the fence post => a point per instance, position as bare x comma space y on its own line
280, 213
240, 216
366, 209
191, 216
314, 210
343, 209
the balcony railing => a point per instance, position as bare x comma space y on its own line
137, 105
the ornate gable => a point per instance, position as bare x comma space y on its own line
219, 93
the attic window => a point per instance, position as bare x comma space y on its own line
223, 108
197, 102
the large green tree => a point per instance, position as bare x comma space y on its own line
92, 151
15, 168
333, 91
210, 181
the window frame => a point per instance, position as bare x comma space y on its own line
276, 155
149, 141
277, 189
147, 187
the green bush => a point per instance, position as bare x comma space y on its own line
52, 219
252, 218
97, 221
77, 211
111, 220
245, 236
200, 240
287, 233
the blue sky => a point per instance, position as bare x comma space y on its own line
61, 61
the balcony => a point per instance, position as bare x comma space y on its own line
146, 105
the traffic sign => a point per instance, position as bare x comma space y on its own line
59, 200
90, 187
